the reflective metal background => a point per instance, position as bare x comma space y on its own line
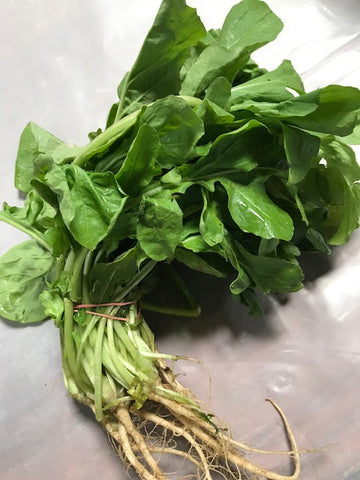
60, 63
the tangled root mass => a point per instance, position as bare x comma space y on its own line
163, 426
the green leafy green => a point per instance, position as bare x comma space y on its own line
140, 164
337, 112
35, 142
207, 160
178, 127
301, 149
342, 176
159, 225
254, 212
24, 272
231, 49
88, 202
156, 71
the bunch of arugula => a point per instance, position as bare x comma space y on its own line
206, 159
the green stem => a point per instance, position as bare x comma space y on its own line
179, 312
85, 283
121, 294
77, 274
69, 346
89, 328
32, 232
183, 288
98, 370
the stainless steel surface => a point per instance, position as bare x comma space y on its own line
60, 63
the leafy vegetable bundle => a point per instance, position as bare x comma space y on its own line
206, 159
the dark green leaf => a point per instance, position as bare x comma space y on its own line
254, 212
140, 164
219, 92
178, 127
156, 72
106, 278
211, 263
337, 112
271, 274
301, 148
89, 202
299, 106
317, 240
268, 246
251, 300
238, 151
239, 37
242, 281
343, 177
271, 87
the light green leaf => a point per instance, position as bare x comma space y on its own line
53, 305
211, 227
34, 142
159, 226
24, 273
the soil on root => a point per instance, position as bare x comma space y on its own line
165, 426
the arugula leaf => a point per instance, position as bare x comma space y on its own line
301, 148
254, 212
238, 38
342, 175
270, 87
220, 93
299, 106
271, 274
209, 263
231, 153
106, 278
159, 225
317, 240
336, 114
25, 271
156, 72
88, 202
140, 164
34, 142
211, 227
178, 127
